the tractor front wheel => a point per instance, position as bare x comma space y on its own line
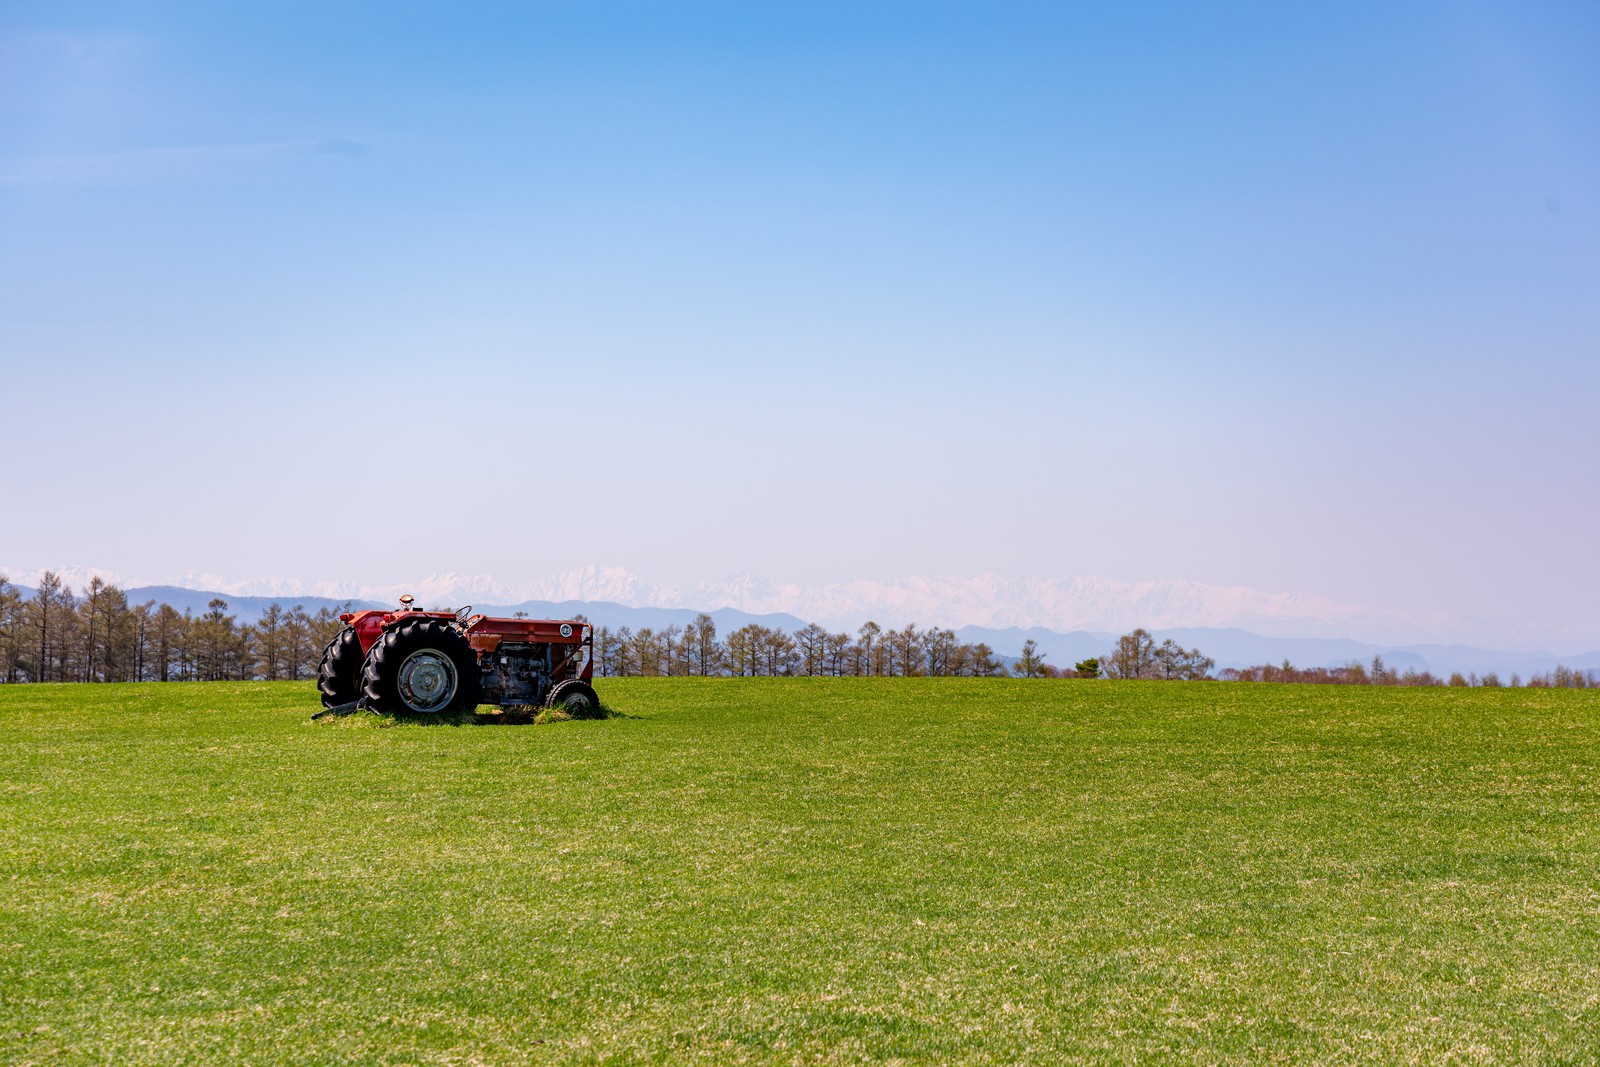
339, 673
422, 667
576, 698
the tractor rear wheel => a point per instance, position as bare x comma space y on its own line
339, 674
422, 667
576, 698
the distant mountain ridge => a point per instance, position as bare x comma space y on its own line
1230, 647
248, 609
1070, 618
1060, 604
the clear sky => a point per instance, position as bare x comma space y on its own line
1301, 297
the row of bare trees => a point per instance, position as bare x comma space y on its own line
1137, 655
754, 650
872, 651
1379, 673
97, 636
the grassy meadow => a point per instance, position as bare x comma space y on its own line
802, 871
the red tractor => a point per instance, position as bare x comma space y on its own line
427, 662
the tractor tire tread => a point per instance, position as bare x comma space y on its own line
380, 672
339, 672
563, 691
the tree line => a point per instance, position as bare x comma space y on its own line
57, 636
97, 636
1379, 673
873, 651
754, 650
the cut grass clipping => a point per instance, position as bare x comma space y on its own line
795, 871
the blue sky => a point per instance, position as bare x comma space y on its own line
1300, 300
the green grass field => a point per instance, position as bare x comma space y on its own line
796, 871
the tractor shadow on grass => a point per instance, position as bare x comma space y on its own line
511, 716
532, 716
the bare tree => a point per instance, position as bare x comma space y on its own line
168, 637
270, 643
683, 653
671, 649
812, 643
983, 663
869, 651
646, 651
939, 651
840, 652
302, 653
1134, 656
776, 651
744, 658
48, 612
11, 624
1176, 663
706, 652
906, 647
607, 650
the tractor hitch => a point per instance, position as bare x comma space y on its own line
341, 710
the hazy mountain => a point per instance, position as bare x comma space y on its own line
248, 609
1069, 618
244, 608
602, 613
1060, 604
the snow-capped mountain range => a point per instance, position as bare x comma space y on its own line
987, 600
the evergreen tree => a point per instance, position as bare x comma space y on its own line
1031, 663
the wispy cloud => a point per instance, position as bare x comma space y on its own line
166, 165
49, 43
